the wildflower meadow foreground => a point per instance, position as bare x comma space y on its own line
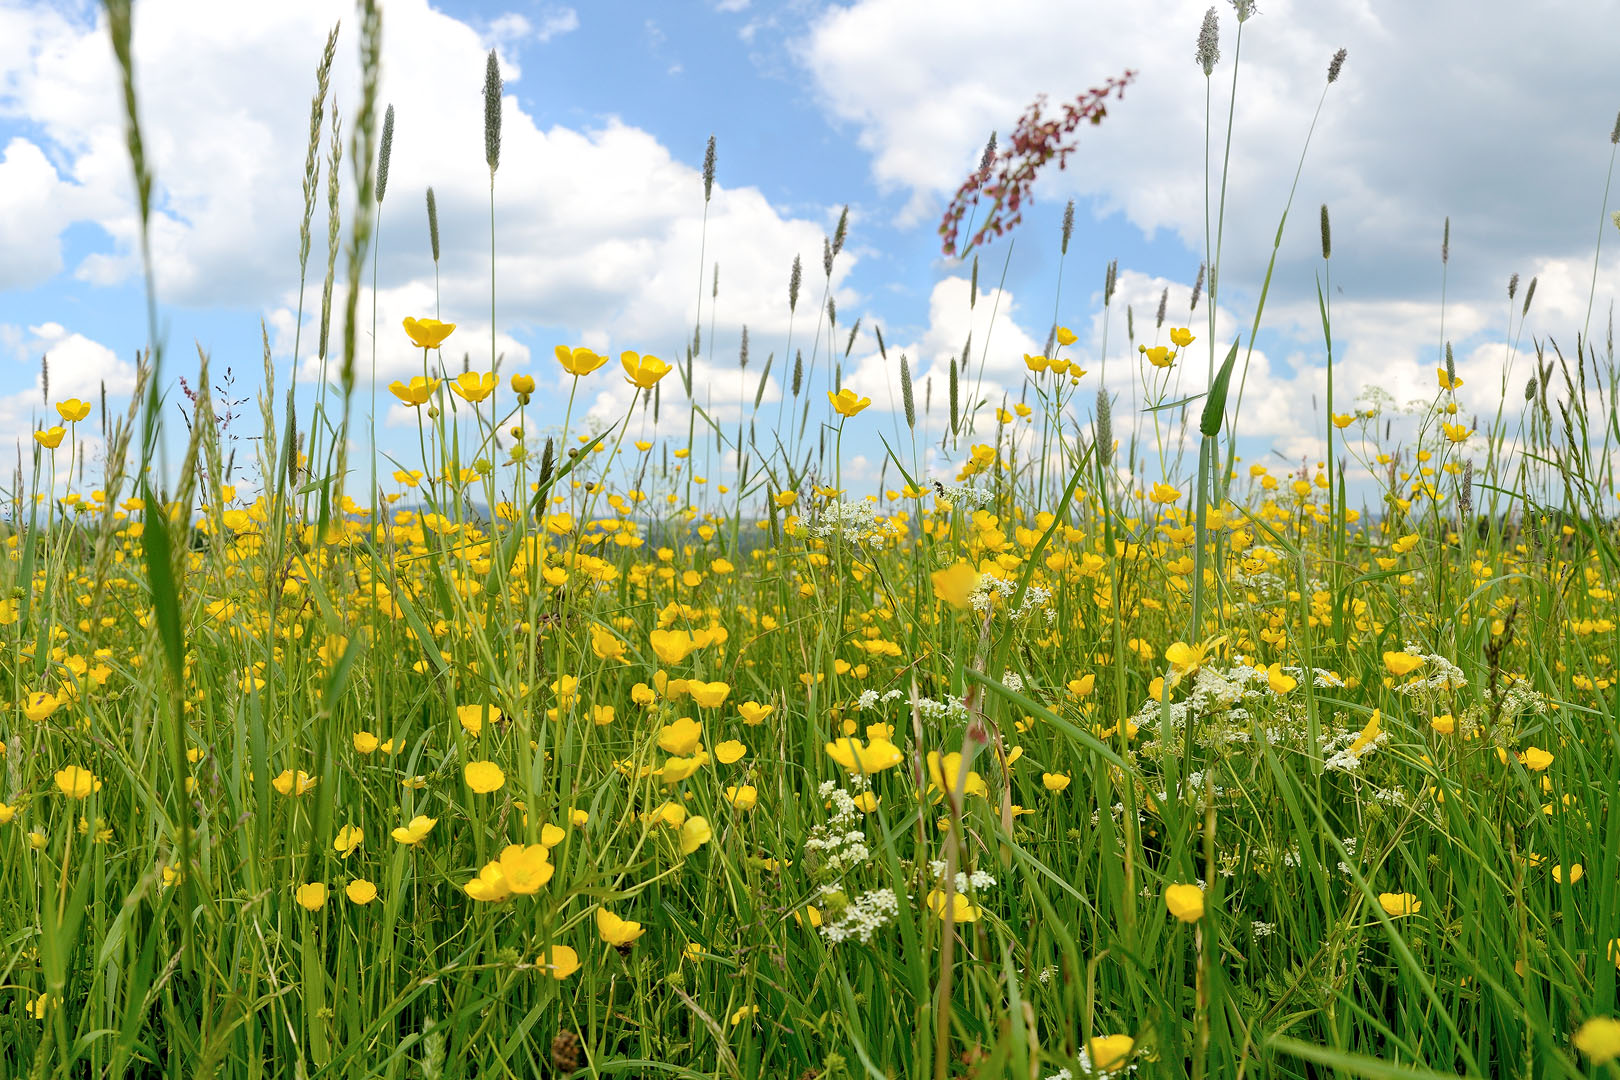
596, 751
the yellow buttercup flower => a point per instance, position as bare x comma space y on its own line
643, 371
415, 393
73, 410
360, 891
428, 333
76, 782
311, 896
846, 402
963, 910
579, 361
416, 830
866, 758
473, 387
1181, 338
955, 584
616, 931
484, 776
560, 962
1185, 902
50, 438
1396, 905
1599, 1039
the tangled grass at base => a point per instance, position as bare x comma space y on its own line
1073, 766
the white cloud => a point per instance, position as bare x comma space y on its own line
1411, 133
79, 367
598, 231
556, 22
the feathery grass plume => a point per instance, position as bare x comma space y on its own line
987, 159
849, 343
798, 372
1529, 295
1110, 280
363, 160
1451, 365
1198, 284
1465, 493
714, 293
742, 350
1245, 9
386, 153
333, 226
1051, 340
1327, 235
1164, 302
1513, 286
1068, 227
973, 285
45, 378
841, 230
1336, 65
697, 345
433, 224
312, 157
826, 256
1445, 243
905, 392
967, 347
832, 314
492, 112
548, 462
657, 398
267, 408
795, 276
882, 349
708, 170
1208, 53
1130, 323
103, 413
1105, 425
1615, 217
955, 399
1614, 136
764, 377
928, 395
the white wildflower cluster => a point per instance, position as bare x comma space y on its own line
840, 843
1046, 974
1520, 699
965, 882
857, 522
1012, 681
862, 917
985, 592
1349, 843
1339, 753
1264, 929
1036, 599
951, 709
968, 498
871, 699
1437, 675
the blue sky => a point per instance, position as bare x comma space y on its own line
1463, 110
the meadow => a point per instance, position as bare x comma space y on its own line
1102, 753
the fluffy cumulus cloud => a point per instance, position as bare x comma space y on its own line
598, 230
78, 367
1509, 139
